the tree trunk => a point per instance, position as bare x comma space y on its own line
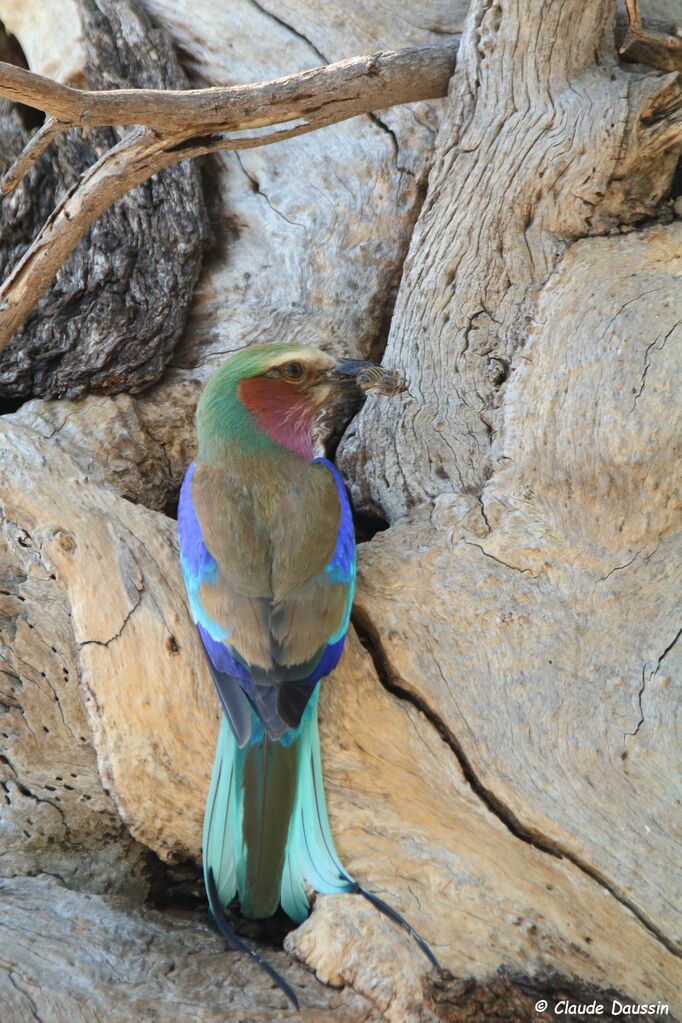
111, 320
522, 169
499, 747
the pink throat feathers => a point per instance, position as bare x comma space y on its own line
280, 412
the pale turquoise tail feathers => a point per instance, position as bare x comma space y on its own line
310, 863
310, 860
222, 844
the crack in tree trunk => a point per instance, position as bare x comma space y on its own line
391, 681
537, 336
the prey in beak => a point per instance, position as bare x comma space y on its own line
350, 381
366, 376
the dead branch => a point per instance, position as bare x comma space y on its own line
654, 43
140, 155
349, 87
183, 124
656, 48
30, 154
319, 97
334, 92
180, 125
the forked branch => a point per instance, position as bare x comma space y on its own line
170, 126
654, 43
175, 126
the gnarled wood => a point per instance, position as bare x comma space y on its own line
114, 314
659, 46
499, 757
97, 959
548, 605
522, 169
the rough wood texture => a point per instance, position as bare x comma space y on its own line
171, 962
659, 45
184, 124
499, 746
520, 117
549, 604
133, 549
114, 314
307, 102
310, 234
94, 959
55, 814
139, 446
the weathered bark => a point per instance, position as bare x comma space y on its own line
305, 102
87, 957
118, 305
139, 446
656, 44
523, 168
498, 745
318, 227
547, 603
171, 963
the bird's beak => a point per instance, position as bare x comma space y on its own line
366, 376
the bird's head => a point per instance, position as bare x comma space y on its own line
278, 391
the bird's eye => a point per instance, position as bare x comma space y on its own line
292, 371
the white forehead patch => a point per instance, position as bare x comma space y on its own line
311, 357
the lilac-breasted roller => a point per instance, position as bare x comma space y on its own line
268, 555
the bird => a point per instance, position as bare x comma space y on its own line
267, 551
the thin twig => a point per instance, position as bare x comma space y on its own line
632, 8
31, 153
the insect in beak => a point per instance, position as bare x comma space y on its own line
367, 377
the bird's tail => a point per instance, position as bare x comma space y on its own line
266, 832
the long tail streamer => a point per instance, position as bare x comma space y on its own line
266, 833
